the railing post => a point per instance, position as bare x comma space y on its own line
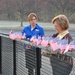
14, 57
38, 60
0, 57
28, 54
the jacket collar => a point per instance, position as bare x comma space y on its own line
36, 27
61, 35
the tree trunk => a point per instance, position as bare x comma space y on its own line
21, 23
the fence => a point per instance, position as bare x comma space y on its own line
20, 57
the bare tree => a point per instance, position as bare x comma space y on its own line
8, 8
24, 7
46, 9
1, 6
63, 6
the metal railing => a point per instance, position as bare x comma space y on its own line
21, 57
